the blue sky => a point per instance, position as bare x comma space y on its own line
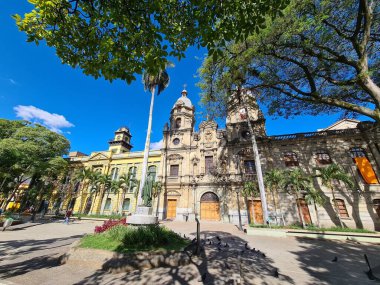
35, 85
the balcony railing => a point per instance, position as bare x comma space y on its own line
314, 134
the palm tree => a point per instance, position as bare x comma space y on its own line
328, 175
296, 181
104, 181
156, 190
315, 197
250, 189
274, 179
260, 179
94, 189
151, 81
84, 175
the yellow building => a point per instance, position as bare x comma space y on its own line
115, 161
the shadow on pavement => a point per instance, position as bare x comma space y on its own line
221, 264
316, 258
15, 249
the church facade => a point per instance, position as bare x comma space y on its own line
203, 172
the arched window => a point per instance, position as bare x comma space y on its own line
364, 165
178, 123
107, 206
132, 172
323, 157
291, 159
126, 204
115, 173
357, 152
132, 175
341, 207
152, 173
249, 167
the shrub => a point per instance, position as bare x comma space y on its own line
124, 239
110, 224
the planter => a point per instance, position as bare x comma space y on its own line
117, 262
14, 223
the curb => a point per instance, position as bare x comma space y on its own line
358, 237
114, 262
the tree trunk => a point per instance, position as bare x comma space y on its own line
335, 207
2, 184
92, 203
158, 203
11, 196
317, 214
259, 172
238, 204
83, 195
274, 203
122, 202
146, 152
102, 211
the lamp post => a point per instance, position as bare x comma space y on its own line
194, 187
237, 190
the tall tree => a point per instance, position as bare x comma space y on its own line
274, 180
295, 182
152, 81
322, 56
117, 39
328, 175
84, 175
27, 150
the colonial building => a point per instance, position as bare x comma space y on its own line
203, 171
115, 161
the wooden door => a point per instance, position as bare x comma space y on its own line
304, 209
172, 209
256, 208
210, 211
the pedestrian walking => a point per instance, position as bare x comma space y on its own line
68, 215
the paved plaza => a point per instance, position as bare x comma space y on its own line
29, 255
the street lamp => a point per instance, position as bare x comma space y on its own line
194, 187
237, 190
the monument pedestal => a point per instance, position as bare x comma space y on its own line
143, 216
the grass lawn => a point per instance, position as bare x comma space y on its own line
315, 229
112, 217
124, 239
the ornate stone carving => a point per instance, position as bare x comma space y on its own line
175, 157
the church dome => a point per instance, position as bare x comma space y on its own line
122, 129
184, 100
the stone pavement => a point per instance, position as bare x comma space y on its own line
29, 256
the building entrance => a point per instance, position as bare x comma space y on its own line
210, 209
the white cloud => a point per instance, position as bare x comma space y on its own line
53, 121
156, 145
12, 81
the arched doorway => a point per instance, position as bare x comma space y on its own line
210, 209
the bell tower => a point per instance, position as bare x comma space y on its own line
239, 111
178, 132
121, 142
